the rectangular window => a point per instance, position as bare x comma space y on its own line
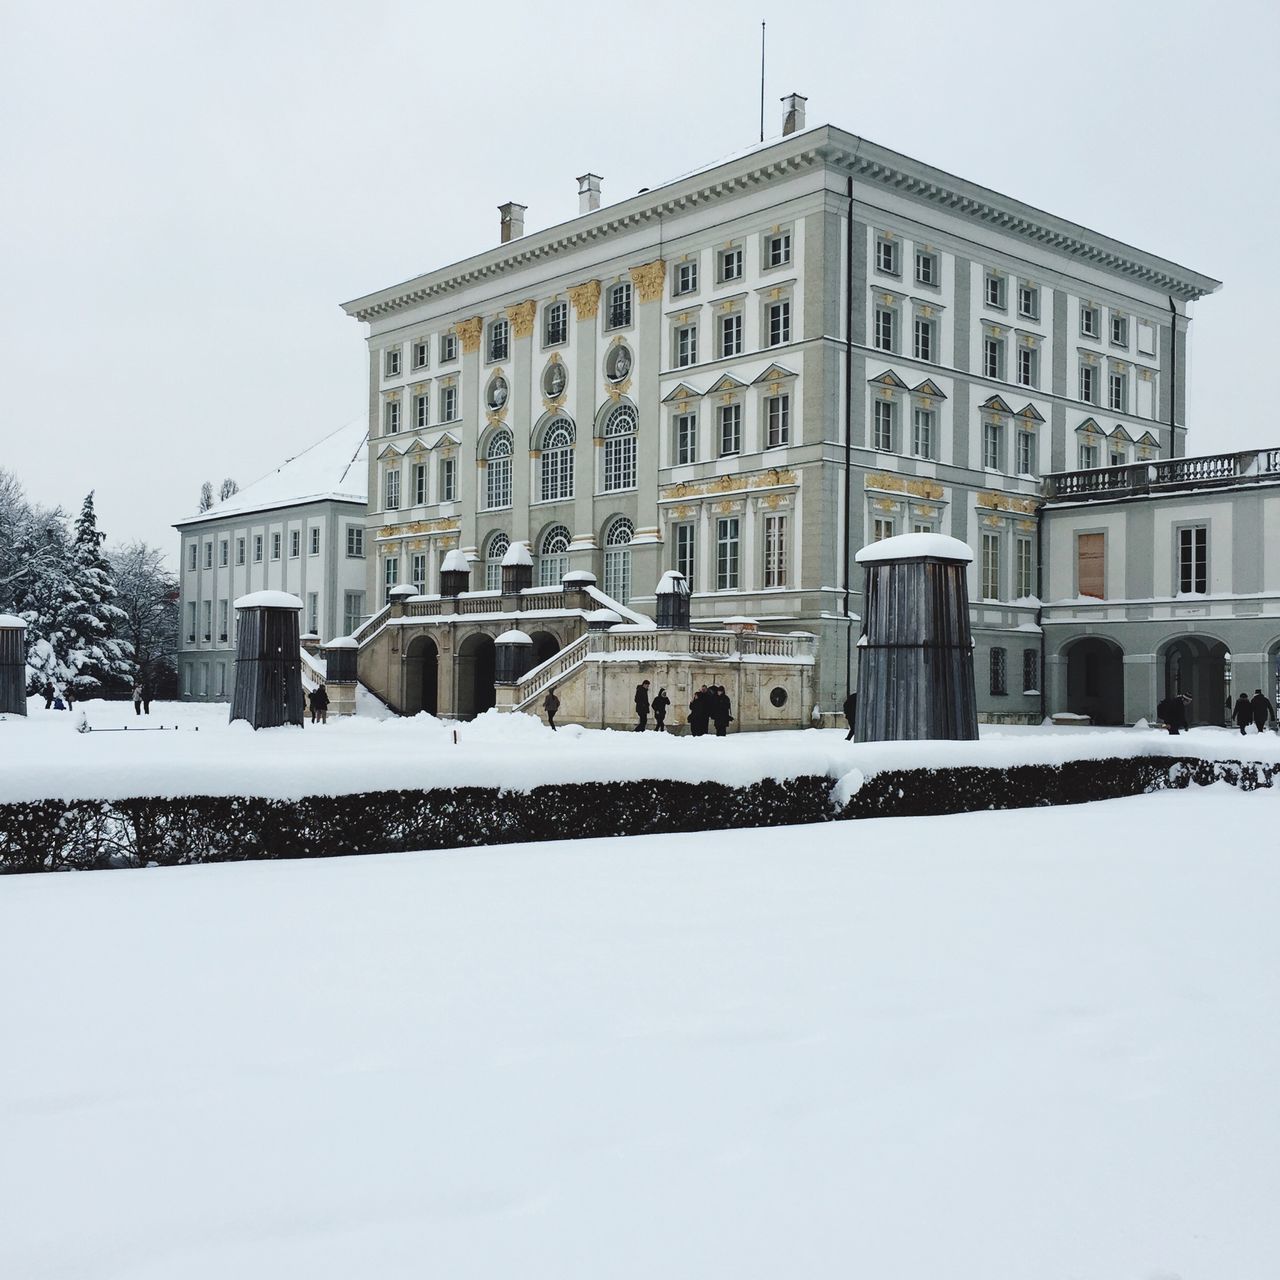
1088, 383
730, 335
686, 346
777, 416
883, 527
206, 619
208, 555
1118, 392
994, 291
191, 623
239, 551
1193, 560
222, 620
887, 256
420, 484
420, 350
999, 672
193, 550
1026, 453
926, 267
730, 261
1119, 330
991, 566
313, 612
882, 426
1091, 562
730, 416
295, 543
884, 329
993, 358
923, 339
1029, 302
392, 489
618, 315
352, 610
727, 557
448, 479
556, 324
1118, 458
683, 555
779, 323
257, 548
1024, 568
392, 362
497, 483
778, 249
224, 553
448, 347
418, 570
391, 417
499, 340
421, 410
992, 447
448, 404
1089, 321
775, 551
922, 425
390, 577
1088, 455
686, 277
355, 541
686, 441
1027, 366
1030, 671
275, 546
315, 539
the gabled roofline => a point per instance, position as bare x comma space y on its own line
866, 162
212, 517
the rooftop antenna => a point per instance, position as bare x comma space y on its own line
762, 82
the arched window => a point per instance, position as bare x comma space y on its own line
617, 560
557, 460
497, 486
620, 449
553, 558
493, 553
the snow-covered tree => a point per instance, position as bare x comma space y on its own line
227, 489
148, 594
206, 495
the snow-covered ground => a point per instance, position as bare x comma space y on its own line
43, 757
996, 1046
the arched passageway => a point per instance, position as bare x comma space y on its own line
1199, 666
1095, 680
421, 676
545, 646
474, 674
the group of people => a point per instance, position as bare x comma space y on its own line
319, 705
1257, 711
709, 706
58, 700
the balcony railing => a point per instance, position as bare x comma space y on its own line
1164, 475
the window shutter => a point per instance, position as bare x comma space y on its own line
1090, 565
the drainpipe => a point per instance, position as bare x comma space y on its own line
1173, 373
1044, 668
848, 434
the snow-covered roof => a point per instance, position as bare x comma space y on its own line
579, 575
333, 469
517, 554
514, 636
268, 600
672, 583
343, 642
915, 546
455, 562
405, 591
10, 620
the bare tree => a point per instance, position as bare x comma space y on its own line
148, 594
206, 495
227, 489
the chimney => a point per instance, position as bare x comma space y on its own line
512, 220
588, 192
794, 103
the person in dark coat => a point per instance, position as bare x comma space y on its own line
850, 711
48, 692
146, 698
1262, 709
642, 705
320, 704
698, 713
1173, 712
1242, 713
721, 711
551, 704
71, 697
660, 705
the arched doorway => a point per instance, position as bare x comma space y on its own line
421, 676
1199, 666
1095, 680
474, 667
545, 646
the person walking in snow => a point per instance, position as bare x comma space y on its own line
71, 698
320, 704
850, 711
1262, 709
721, 711
1172, 713
642, 705
551, 704
48, 692
146, 698
660, 705
698, 711
137, 698
1242, 713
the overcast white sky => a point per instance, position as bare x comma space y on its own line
188, 191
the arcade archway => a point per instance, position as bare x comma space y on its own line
421, 676
1095, 680
1199, 666
474, 673
545, 645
